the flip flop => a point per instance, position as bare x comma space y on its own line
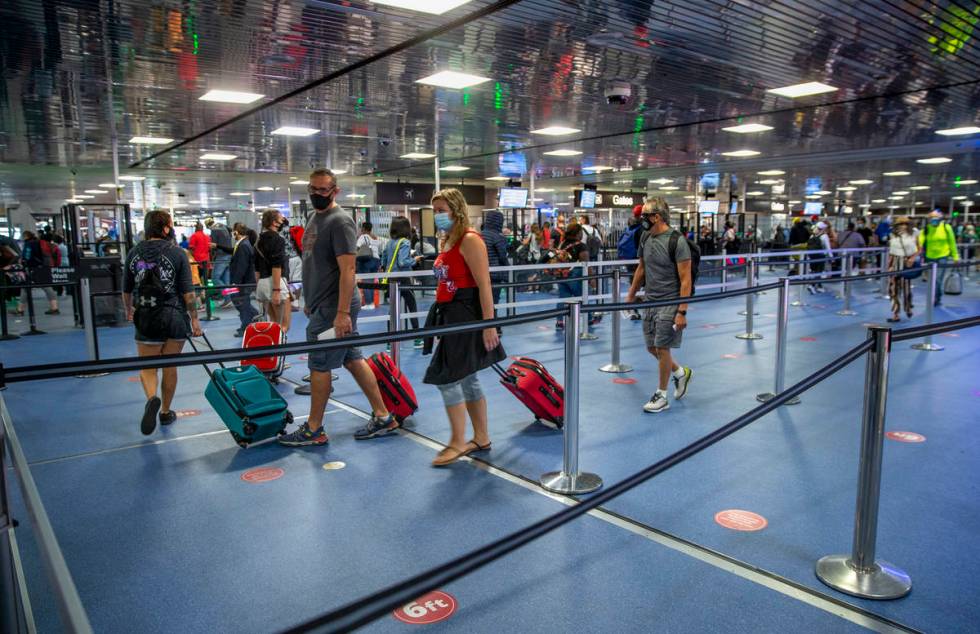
443, 459
477, 447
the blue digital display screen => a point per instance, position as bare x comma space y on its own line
709, 182
512, 164
813, 185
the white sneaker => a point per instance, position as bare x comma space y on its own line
657, 403
680, 384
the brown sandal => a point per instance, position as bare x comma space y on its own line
447, 456
476, 447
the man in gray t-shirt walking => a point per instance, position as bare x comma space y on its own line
663, 275
332, 305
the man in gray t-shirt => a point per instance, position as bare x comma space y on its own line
331, 302
663, 274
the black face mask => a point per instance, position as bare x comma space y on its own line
284, 224
321, 202
647, 225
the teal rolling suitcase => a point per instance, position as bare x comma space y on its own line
247, 403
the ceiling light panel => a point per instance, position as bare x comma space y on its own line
433, 7
413, 156
499, 178
218, 156
802, 90
747, 128
239, 194
452, 79
598, 168
861, 181
454, 168
266, 188
132, 179
919, 187
555, 130
935, 160
230, 96
150, 140
771, 173
898, 173
969, 129
968, 181
110, 185
740, 153
288, 130
562, 153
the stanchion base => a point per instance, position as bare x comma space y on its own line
743, 313
211, 318
94, 375
304, 390
846, 313
616, 368
31, 333
882, 297
749, 335
886, 581
9, 337
928, 347
797, 303
567, 484
587, 336
765, 397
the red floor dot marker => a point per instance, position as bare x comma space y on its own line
624, 381
431, 608
710, 326
808, 338
739, 520
133, 379
304, 357
186, 413
729, 356
543, 328
905, 436
952, 335
262, 474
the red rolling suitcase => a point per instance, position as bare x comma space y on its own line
396, 391
534, 386
264, 333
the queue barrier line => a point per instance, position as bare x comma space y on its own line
69, 603
380, 603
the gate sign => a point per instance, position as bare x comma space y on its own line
62, 274
619, 200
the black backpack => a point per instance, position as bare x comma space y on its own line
155, 314
695, 256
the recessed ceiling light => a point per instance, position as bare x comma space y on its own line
669, 188
453, 168
802, 90
230, 96
194, 202
897, 197
770, 181
239, 194
969, 129
846, 189
84, 197
794, 202
968, 181
299, 181
555, 130
217, 156
813, 195
109, 185
746, 128
132, 178
741, 153
499, 178
901, 193
919, 187
435, 7
689, 197
663, 181
288, 130
822, 192
73, 200
598, 168
935, 160
266, 188
919, 202
562, 153
862, 181
338, 172
150, 140
452, 79
754, 193
959, 197
215, 197
417, 156
544, 190
878, 200
96, 191
898, 173
771, 173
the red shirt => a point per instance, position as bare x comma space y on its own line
452, 272
200, 245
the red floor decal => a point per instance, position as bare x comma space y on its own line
431, 608
262, 474
304, 357
808, 338
739, 520
133, 379
905, 436
710, 326
952, 335
624, 381
185, 413
729, 356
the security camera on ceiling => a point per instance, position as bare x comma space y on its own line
618, 93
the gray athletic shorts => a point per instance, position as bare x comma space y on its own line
326, 360
658, 328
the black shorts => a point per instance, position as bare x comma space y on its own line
159, 326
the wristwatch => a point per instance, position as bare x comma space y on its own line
682, 312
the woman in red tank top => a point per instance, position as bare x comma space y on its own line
463, 295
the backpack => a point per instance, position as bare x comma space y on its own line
593, 242
695, 257
154, 313
296, 233
626, 246
50, 254
364, 247
813, 243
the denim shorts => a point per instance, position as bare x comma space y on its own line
321, 320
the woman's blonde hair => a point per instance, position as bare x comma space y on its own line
458, 210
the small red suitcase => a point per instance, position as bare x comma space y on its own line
260, 334
534, 386
396, 391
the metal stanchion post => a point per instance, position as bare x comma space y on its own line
750, 281
569, 481
586, 333
758, 269
614, 366
88, 322
782, 325
848, 271
804, 269
860, 574
4, 332
749, 308
882, 267
927, 344
511, 294
394, 316
31, 316
724, 270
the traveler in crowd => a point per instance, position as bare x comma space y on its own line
629, 247
184, 242
938, 245
850, 238
159, 300
221, 248
496, 244
533, 242
819, 244
63, 259
729, 239
970, 238
572, 250
592, 238
39, 257
463, 294
272, 290
547, 239
368, 256
293, 235
883, 230
665, 274
865, 231
241, 272
200, 245
706, 240
331, 302
903, 251
397, 257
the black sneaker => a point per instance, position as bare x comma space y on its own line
167, 418
149, 422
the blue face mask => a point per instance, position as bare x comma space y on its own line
443, 222
934, 223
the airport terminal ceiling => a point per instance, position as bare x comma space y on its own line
678, 73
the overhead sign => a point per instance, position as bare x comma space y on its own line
421, 193
621, 200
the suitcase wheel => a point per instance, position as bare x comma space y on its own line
241, 442
287, 418
249, 428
